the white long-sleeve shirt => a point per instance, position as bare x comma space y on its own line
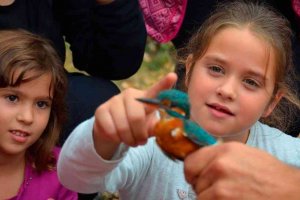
145, 172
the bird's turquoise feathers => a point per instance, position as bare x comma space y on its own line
197, 134
180, 100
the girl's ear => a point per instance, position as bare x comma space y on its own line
269, 109
188, 66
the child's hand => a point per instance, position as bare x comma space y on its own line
122, 119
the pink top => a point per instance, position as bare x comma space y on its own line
296, 7
43, 186
163, 18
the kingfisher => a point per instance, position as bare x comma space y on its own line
175, 133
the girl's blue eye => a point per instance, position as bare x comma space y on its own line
251, 83
12, 98
214, 69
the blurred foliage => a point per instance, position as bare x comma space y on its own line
158, 55
158, 61
108, 196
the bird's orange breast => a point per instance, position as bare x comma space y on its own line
171, 138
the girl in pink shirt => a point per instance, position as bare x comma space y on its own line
32, 112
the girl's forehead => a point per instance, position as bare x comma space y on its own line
241, 42
244, 48
27, 74
20, 76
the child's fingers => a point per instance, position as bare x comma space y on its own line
121, 121
166, 83
104, 123
136, 116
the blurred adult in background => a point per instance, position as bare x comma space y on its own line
107, 39
177, 20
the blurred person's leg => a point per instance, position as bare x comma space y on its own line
85, 94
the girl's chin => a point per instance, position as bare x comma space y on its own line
238, 137
214, 132
220, 133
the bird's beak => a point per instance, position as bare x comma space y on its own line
155, 102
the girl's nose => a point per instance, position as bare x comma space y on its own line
228, 89
25, 114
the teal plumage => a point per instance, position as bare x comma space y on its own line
178, 99
197, 134
194, 131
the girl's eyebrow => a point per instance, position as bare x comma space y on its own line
216, 58
257, 74
20, 93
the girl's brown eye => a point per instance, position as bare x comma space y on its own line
42, 104
12, 98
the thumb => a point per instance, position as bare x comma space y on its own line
165, 83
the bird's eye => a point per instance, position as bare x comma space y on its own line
167, 103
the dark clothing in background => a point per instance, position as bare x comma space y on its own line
107, 41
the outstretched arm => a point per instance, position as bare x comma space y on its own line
97, 146
236, 171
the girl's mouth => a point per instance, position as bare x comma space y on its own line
19, 133
220, 109
19, 136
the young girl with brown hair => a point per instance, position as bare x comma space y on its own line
32, 112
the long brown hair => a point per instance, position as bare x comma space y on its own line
24, 51
265, 23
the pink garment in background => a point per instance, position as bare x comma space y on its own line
163, 18
296, 7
